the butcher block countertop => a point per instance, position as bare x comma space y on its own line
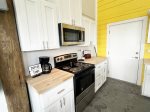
95, 60
48, 81
147, 61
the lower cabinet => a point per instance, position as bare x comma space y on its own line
100, 74
146, 83
57, 99
64, 104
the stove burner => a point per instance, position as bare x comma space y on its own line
66, 67
75, 69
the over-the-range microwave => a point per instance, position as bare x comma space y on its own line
71, 35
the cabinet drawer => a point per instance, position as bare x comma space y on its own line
54, 94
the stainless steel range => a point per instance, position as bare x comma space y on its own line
84, 78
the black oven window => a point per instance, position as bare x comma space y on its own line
84, 81
71, 35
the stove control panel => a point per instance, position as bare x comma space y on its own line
65, 57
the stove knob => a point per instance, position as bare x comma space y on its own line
57, 59
61, 58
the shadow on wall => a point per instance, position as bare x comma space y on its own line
3, 104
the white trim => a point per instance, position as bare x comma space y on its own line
96, 18
145, 20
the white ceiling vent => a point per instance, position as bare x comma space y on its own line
3, 5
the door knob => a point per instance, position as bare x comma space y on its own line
137, 53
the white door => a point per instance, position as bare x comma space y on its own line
50, 25
68, 102
124, 41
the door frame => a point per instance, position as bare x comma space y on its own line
144, 20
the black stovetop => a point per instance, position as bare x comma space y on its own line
75, 67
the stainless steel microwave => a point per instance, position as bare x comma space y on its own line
71, 35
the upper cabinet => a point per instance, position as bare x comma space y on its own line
76, 12
37, 24
90, 31
70, 12
89, 8
64, 12
50, 24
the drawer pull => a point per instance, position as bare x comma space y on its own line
60, 104
64, 101
61, 91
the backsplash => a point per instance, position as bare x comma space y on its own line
31, 58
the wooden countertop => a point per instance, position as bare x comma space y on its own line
47, 81
95, 60
147, 61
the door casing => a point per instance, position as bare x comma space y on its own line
143, 38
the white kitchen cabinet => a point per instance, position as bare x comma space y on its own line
90, 31
37, 24
57, 99
64, 12
65, 104
56, 107
146, 83
50, 25
100, 74
70, 12
76, 12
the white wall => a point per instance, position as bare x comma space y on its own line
3, 104
31, 58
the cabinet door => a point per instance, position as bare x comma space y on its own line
28, 24
56, 107
64, 12
146, 89
49, 24
86, 25
68, 102
93, 37
34, 24
76, 11
146, 83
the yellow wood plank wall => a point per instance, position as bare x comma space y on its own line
110, 11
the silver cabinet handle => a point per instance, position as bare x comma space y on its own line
74, 22
60, 104
64, 101
47, 44
43, 44
61, 91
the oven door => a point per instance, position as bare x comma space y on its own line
83, 81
